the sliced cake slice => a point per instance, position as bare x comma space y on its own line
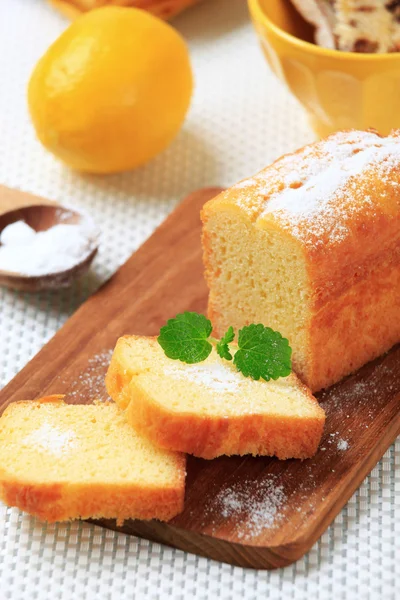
61, 462
209, 408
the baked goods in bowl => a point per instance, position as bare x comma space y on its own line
354, 25
210, 409
61, 462
311, 247
338, 90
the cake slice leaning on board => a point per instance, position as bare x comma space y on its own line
61, 462
209, 409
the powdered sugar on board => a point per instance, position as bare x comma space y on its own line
90, 385
259, 507
315, 192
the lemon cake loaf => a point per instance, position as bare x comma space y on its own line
209, 408
61, 462
311, 247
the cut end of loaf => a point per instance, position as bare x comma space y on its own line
257, 276
61, 462
210, 409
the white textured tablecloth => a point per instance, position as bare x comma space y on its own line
241, 118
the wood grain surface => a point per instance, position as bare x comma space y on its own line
253, 512
11, 199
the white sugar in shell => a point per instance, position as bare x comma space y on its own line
17, 233
46, 252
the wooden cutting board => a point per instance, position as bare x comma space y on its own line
252, 512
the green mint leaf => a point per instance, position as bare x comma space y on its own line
185, 337
222, 346
263, 353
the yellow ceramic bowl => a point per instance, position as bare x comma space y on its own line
339, 90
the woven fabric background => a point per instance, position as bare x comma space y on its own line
241, 118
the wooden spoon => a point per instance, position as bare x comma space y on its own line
40, 214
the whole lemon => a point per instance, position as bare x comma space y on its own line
112, 91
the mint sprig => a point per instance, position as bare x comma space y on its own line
222, 346
261, 352
185, 338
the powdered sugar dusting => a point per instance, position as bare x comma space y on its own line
215, 376
314, 193
342, 444
244, 184
50, 439
259, 508
320, 184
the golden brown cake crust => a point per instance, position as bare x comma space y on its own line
63, 502
339, 200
